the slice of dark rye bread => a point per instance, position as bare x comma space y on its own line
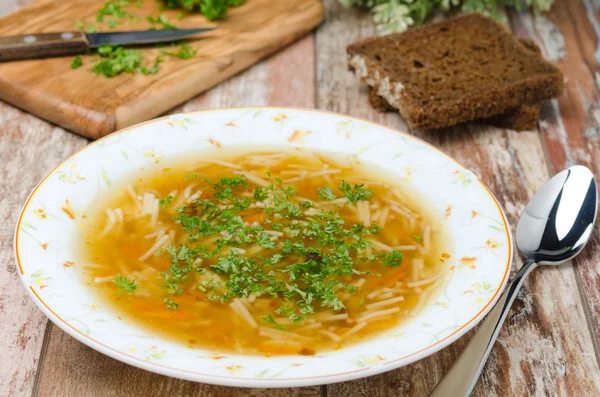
462, 69
522, 118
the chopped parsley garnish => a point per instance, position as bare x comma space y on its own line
161, 20
115, 60
286, 311
306, 204
233, 182
264, 240
164, 203
393, 259
260, 194
184, 51
212, 9
77, 62
356, 193
170, 303
152, 69
183, 259
268, 319
325, 193
112, 8
418, 238
305, 261
126, 285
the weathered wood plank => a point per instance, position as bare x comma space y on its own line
8, 6
282, 80
26, 143
571, 131
70, 368
539, 350
73, 369
30, 148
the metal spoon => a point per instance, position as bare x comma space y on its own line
554, 227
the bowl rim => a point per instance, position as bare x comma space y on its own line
236, 381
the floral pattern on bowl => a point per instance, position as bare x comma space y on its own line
56, 209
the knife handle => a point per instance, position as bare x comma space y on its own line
43, 45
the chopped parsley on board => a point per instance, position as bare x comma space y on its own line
77, 62
113, 60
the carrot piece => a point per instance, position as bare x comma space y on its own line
147, 309
255, 218
167, 313
393, 276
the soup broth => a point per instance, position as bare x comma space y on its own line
265, 252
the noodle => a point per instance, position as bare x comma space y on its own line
354, 329
240, 309
132, 192
384, 303
404, 213
330, 335
405, 247
417, 266
427, 238
226, 164
157, 245
336, 317
255, 178
380, 313
381, 246
277, 334
188, 191
193, 197
112, 219
384, 216
424, 282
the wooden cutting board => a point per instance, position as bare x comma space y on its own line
94, 106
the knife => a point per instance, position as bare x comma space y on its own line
44, 45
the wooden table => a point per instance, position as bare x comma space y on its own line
549, 345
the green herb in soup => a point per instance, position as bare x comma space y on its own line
287, 252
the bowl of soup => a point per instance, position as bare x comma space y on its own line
263, 247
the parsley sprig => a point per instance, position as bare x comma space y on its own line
212, 9
125, 285
356, 193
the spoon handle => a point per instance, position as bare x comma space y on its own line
462, 377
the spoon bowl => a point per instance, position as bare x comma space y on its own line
558, 221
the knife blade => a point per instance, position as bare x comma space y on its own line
45, 45
141, 37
